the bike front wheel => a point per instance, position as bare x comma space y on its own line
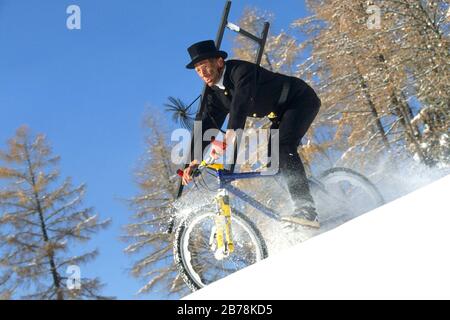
194, 257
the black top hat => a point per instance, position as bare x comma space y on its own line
204, 50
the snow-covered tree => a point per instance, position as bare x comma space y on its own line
340, 66
365, 76
420, 33
40, 221
381, 69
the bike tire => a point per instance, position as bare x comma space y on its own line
339, 174
181, 257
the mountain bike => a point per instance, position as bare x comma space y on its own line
217, 238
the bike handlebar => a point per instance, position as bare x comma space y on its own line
205, 163
209, 161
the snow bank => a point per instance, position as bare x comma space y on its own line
398, 251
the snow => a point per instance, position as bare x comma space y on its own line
397, 251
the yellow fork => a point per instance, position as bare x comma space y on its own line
225, 244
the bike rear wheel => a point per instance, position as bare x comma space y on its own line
196, 261
350, 191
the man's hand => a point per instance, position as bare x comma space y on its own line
187, 173
217, 148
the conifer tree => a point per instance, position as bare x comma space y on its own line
147, 233
40, 220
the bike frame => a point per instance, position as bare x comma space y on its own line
225, 178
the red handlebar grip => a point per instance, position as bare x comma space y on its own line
180, 172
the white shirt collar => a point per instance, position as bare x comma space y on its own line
219, 83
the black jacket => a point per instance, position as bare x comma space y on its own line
250, 90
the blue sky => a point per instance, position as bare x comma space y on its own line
89, 89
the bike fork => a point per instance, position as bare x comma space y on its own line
223, 244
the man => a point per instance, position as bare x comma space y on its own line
242, 89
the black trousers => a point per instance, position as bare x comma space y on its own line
295, 119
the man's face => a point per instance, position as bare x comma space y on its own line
209, 70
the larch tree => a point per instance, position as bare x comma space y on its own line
365, 75
339, 62
41, 219
421, 35
147, 233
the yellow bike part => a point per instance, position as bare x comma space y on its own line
215, 166
223, 225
